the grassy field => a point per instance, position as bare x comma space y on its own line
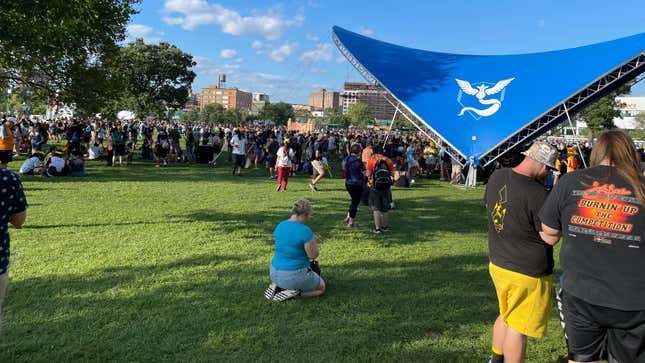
144, 264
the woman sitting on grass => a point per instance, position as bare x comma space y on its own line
295, 245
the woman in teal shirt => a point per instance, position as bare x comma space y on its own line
295, 245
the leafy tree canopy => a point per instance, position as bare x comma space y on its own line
279, 113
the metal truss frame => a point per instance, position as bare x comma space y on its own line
410, 115
600, 87
556, 115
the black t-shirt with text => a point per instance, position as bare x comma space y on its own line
602, 226
513, 202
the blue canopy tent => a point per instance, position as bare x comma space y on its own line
482, 106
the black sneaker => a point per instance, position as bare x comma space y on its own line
278, 188
385, 228
376, 231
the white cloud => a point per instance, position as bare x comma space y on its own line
341, 59
313, 4
150, 35
322, 53
366, 31
283, 52
312, 37
280, 87
256, 45
317, 70
206, 68
541, 23
190, 14
228, 53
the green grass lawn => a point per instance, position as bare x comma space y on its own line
144, 264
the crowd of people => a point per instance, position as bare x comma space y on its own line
589, 197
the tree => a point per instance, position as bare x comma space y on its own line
233, 117
279, 112
53, 46
600, 115
639, 131
156, 78
190, 116
359, 115
336, 117
213, 113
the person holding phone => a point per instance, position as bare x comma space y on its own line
295, 246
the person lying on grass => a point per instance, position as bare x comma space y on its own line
295, 245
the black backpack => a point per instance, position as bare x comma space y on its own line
382, 175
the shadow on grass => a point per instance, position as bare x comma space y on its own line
86, 225
211, 308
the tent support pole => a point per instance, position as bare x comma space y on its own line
566, 110
391, 124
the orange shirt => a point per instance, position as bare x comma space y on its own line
371, 164
7, 142
367, 154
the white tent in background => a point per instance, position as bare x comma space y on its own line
125, 115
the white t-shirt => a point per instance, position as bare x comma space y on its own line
29, 165
282, 158
239, 145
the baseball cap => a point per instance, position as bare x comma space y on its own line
543, 153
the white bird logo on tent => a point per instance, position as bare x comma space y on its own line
481, 92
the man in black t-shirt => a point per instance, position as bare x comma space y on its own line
317, 162
599, 213
521, 263
272, 147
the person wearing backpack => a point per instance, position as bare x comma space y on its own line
380, 171
354, 180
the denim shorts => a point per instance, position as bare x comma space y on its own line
304, 279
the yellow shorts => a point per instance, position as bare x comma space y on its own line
524, 301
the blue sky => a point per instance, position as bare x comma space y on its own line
284, 48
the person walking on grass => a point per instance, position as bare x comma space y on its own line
317, 163
271, 149
380, 171
13, 209
521, 263
599, 214
238, 142
283, 166
354, 180
295, 245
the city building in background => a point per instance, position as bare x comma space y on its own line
259, 101
324, 99
192, 103
230, 98
369, 94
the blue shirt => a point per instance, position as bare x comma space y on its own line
409, 154
290, 238
354, 169
12, 201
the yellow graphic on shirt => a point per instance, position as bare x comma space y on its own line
499, 212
